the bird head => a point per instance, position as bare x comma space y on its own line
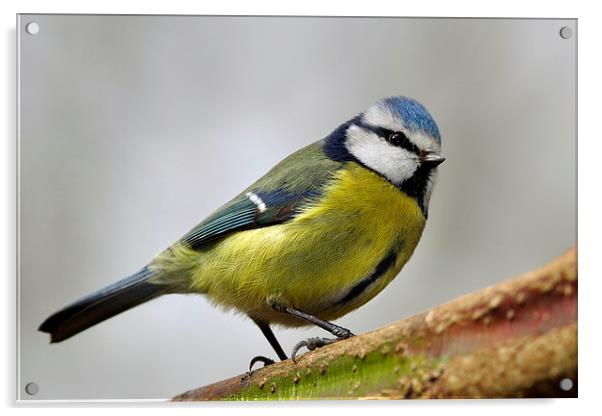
396, 138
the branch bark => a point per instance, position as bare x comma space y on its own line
514, 339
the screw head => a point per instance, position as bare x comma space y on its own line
32, 28
566, 32
566, 384
32, 389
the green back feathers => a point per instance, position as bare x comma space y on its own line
282, 191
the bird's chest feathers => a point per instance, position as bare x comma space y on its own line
367, 229
360, 202
361, 227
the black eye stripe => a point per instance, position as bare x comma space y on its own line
404, 143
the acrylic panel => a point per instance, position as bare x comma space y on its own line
133, 129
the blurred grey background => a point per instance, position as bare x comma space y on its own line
134, 128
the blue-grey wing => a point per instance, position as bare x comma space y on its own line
254, 210
275, 198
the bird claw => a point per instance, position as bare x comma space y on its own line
311, 344
343, 333
260, 358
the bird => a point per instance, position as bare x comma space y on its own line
318, 236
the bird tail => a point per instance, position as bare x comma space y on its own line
100, 305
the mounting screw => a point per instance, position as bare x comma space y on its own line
32, 28
32, 389
566, 32
566, 384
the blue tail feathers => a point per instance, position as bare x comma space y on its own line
101, 305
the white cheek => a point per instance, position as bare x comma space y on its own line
394, 163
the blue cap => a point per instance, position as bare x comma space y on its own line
414, 115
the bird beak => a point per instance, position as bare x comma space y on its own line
431, 159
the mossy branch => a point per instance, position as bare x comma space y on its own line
515, 339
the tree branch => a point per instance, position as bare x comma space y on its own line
515, 339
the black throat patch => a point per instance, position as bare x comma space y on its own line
415, 187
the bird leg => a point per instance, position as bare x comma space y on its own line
312, 343
269, 335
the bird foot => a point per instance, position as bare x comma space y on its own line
313, 343
259, 359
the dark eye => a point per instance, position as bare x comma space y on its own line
397, 138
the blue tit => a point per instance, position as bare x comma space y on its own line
316, 237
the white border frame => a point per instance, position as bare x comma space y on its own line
589, 150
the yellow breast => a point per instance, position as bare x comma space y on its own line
315, 260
